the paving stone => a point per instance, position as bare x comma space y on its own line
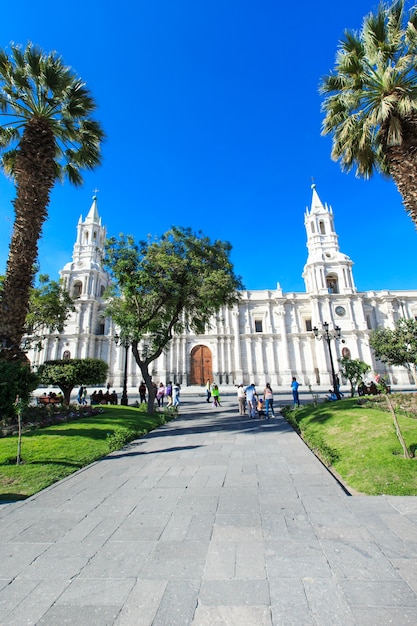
379, 593
97, 592
358, 559
327, 602
178, 604
79, 616
176, 560
119, 560
142, 604
234, 593
289, 559
387, 616
232, 615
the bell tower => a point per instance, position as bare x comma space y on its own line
84, 276
327, 270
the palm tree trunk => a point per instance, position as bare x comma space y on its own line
402, 162
34, 174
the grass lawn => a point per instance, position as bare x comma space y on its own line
360, 443
49, 454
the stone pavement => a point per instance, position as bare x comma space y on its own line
212, 519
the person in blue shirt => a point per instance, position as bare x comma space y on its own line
251, 399
294, 387
332, 397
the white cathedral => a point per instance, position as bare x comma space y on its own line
267, 337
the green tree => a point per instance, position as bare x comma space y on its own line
353, 370
67, 373
370, 100
17, 381
398, 345
46, 134
164, 286
50, 306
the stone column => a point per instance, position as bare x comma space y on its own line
238, 370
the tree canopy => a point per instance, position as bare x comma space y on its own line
370, 100
166, 285
353, 370
67, 373
50, 306
398, 345
46, 132
17, 380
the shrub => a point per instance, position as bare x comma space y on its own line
17, 379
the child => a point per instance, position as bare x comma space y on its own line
215, 392
260, 407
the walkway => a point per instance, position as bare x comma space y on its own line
213, 519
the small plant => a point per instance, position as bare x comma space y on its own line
121, 437
315, 395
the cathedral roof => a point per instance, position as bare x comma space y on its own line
93, 212
317, 206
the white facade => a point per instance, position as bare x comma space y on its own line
267, 337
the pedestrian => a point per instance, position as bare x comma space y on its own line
339, 393
168, 393
260, 407
155, 390
241, 399
208, 390
251, 399
332, 397
84, 400
160, 394
215, 392
80, 395
294, 387
142, 392
176, 395
269, 400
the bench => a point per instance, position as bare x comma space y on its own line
44, 400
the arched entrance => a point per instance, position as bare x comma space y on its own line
201, 366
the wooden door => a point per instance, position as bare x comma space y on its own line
201, 366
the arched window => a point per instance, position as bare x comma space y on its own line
86, 237
332, 283
102, 289
346, 353
66, 355
77, 289
322, 228
312, 227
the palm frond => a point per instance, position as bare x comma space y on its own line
37, 85
372, 89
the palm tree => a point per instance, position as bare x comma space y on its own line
370, 100
47, 134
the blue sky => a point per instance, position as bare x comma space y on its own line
212, 115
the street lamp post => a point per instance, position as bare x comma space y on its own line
328, 335
125, 344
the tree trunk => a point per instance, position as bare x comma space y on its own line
144, 368
402, 162
19, 434
34, 173
400, 437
